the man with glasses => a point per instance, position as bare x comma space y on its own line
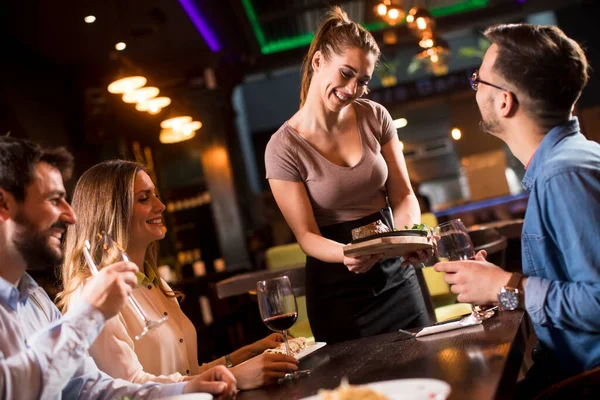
43, 355
527, 86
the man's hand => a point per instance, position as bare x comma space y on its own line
361, 264
217, 381
477, 281
108, 290
264, 369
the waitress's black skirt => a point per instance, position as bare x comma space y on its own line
343, 305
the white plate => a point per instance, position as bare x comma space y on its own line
311, 348
189, 396
408, 389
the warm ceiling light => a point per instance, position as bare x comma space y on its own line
381, 9
401, 145
125, 85
139, 95
168, 136
456, 134
426, 42
400, 123
394, 15
89, 19
176, 123
153, 106
190, 127
420, 20
434, 58
120, 46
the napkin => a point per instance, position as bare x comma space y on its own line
467, 321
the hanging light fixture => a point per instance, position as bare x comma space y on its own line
390, 11
190, 128
139, 95
420, 21
153, 106
168, 136
127, 84
176, 123
436, 56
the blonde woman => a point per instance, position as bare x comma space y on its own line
119, 197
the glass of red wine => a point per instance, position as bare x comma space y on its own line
278, 309
454, 244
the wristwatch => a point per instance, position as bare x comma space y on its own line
228, 362
510, 295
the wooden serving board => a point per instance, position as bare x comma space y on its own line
397, 246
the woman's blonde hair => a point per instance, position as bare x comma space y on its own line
335, 34
103, 201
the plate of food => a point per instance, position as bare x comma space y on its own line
299, 347
399, 389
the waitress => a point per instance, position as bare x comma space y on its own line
330, 168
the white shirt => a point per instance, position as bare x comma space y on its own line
44, 356
167, 354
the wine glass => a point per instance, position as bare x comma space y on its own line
278, 311
453, 241
454, 244
108, 251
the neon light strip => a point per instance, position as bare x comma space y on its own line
200, 23
304, 39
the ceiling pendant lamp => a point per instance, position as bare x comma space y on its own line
176, 123
139, 95
153, 106
168, 136
420, 21
127, 84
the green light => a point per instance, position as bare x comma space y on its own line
304, 39
260, 37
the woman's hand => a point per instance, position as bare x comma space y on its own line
361, 264
269, 342
263, 370
418, 257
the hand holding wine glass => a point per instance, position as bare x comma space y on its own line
278, 310
454, 244
108, 251
109, 289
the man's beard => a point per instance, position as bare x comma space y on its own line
34, 246
489, 125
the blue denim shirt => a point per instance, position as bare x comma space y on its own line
561, 249
44, 356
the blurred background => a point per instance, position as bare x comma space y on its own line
226, 75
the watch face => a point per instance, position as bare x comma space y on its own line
508, 300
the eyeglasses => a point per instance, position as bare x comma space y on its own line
475, 81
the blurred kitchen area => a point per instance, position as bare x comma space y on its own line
232, 69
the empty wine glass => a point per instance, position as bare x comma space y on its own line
278, 310
454, 244
108, 251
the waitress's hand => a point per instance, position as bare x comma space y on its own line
418, 257
362, 264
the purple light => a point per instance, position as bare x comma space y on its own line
200, 23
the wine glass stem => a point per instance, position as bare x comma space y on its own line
137, 309
285, 340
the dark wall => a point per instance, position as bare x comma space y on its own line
580, 23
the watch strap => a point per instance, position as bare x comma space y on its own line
514, 281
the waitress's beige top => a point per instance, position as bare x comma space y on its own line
337, 193
167, 355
